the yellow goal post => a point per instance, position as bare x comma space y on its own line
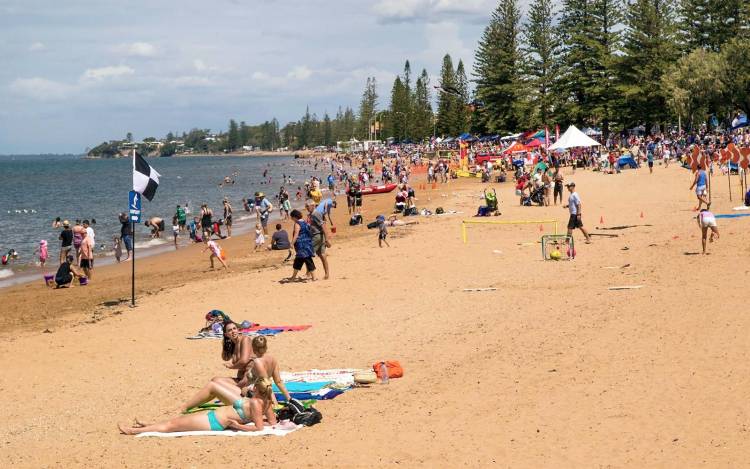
465, 223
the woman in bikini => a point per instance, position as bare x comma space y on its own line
261, 366
237, 351
242, 414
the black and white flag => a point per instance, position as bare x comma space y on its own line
145, 178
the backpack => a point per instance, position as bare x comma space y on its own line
355, 220
295, 412
439, 210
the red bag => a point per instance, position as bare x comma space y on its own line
394, 369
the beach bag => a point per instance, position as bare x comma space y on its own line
295, 412
394, 369
439, 210
355, 220
365, 377
372, 225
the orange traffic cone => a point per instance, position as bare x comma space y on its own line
601, 220
541, 228
641, 213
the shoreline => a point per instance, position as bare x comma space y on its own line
248, 154
165, 267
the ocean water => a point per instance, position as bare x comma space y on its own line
36, 189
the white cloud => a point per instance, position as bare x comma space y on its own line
202, 66
138, 49
445, 38
103, 73
191, 81
300, 73
37, 46
40, 89
260, 76
429, 10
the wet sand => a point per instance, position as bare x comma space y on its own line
551, 369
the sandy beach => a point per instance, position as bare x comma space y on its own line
549, 369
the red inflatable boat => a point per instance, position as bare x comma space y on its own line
383, 189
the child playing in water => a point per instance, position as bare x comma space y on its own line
175, 229
42, 250
216, 252
260, 238
117, 247
707, 220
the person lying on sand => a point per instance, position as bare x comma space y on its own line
243, 414
261, 367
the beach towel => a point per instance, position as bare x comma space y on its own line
278, 328
304, 387
732, 215
281, 429
251, 331
320, 395
341, 376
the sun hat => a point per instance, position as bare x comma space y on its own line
66, 223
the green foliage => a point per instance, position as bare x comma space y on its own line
709, 24
541, 64
106, 150
499, 84
649, 48
422, 115
367, 107
233, 136
695, 86
736, 55
168, 149
448, 102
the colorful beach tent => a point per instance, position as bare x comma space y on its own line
517, 147
539, 134
574, 138
537, 142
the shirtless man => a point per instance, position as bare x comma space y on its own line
157, 226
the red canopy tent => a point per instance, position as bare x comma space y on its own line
535, 143
517, 147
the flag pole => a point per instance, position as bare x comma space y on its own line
132, 261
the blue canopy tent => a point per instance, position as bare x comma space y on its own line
627, 160
739, 121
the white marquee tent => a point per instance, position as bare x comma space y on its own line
573, 138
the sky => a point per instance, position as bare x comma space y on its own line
76, 73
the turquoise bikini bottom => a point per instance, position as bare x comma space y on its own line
214, 422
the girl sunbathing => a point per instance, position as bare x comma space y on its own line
261, 367
243, 414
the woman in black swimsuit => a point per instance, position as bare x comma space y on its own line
206, 223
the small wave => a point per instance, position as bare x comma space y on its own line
150, 243
5, 273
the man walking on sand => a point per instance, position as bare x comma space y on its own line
574, 206
319, 233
